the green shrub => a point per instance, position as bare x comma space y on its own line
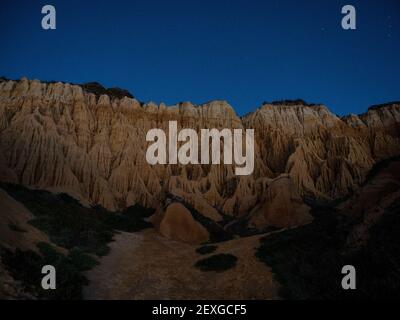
291, 102
82, 261
97, 89
70, 225
383, 105
206, 249
85, 232
16, 228
26, 267
307, 261
218, 262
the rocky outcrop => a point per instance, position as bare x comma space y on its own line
59, 137
177, 223
282, 206
326, 156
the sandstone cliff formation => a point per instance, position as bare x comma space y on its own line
60, 137
282, 206
177, 223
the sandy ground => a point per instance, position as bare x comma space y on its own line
145, 265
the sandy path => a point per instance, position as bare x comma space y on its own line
145, 265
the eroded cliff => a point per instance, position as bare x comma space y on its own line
59, 137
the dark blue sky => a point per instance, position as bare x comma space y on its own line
245, 52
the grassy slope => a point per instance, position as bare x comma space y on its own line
307, 261
85, 232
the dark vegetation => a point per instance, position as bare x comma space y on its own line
206, 249
383, 105
93, 87
216, 230
288, 102
85, 232
16, 228
26, 267
218, 262
378, 167
97, 89
115, 92
70, 225
242, 228
307, 261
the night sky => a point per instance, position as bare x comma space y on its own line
245, 52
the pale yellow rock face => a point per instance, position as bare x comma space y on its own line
326, 156
58, 137
177, 223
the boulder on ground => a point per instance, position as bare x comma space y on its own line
177, 223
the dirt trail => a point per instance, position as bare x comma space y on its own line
145, 265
